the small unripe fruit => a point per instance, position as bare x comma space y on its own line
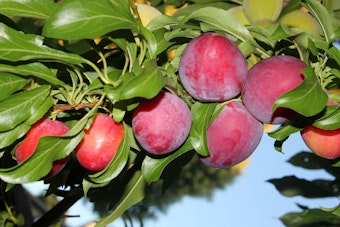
100, 142
266, 82
232, 137
212, 68
161, 124
44, 127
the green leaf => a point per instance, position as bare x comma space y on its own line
20, 106
9, 137
27, 8
39, 164
76, 19
202, 115
18, 46
117, 164
322, 16
152, 168
310, 161
314, 217
223, 20
284, 131
9, 84
335, 210
330, 120
35, 69
133, 194
290, 186
308, 99
147, 84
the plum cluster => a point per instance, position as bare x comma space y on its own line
213, 69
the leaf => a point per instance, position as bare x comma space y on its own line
27, 8
87, 19
330, 120
39, 164
335, 210
9, 84
147, 84
152, 168
202, 114
20, 106
308, 99
284, 131
223, 20
9, 137
322, 16
309, 160
117, 164
290, 186
133, 194
314, 217
35, 69
18, 46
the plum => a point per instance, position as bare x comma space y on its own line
43, 127
212, 68
232, 137
268, 80
161, 124
100, 142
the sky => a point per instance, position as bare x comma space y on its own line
249, 201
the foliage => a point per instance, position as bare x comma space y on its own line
70, 59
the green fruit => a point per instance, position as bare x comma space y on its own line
238, 13
262, 10
302, 20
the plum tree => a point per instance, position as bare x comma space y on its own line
268, 80
228, 141
212, 68
100, 142
142, 99
44, 127
161, 124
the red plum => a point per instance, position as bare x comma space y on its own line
161, 124
267, 81
212, 68
232, 137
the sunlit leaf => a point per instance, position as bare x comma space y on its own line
308, 99
18, 46
76, 19
223, 20
330, 120
313, 217
27, 8
322, 16
202, 114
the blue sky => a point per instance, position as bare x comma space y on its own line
249, 201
